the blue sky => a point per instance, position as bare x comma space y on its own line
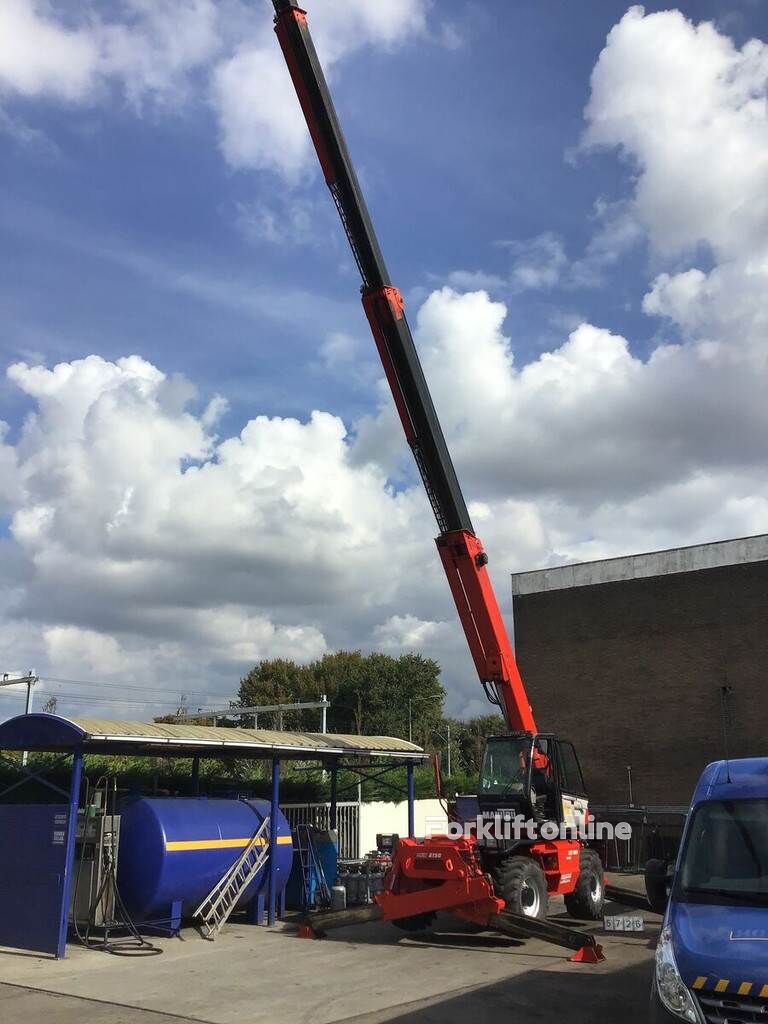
459, 148
129, 228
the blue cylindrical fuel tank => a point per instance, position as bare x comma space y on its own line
178, 848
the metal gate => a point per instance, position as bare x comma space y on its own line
319, 815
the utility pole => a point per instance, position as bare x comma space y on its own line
12, 679
30, 683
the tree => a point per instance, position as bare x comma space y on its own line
471, 737
368, 694
51, 704
277, 681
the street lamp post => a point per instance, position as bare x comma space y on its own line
447, 738
411, 701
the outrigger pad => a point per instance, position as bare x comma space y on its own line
588, 955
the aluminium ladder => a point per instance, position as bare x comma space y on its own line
214, 911
311, 870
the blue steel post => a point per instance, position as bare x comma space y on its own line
410, 801
333, 823
69, 863
272, 907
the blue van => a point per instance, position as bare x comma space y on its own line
712, 956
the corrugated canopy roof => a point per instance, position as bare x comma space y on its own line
102, 735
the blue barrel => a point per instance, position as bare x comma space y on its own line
178, 849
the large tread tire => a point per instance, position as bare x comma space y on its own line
416, 923
586, 901
520, 882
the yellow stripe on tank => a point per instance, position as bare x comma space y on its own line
722, 985
700, 982
175, 845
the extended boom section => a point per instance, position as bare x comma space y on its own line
460, 550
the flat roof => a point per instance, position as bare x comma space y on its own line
634, 567
39, 731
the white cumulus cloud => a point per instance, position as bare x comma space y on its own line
689, 108
170, 52
147, 53
260, 121
39, 56
141, 541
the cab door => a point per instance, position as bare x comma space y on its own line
572, 789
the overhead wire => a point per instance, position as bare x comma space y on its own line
84, 698
182, 690
58, 687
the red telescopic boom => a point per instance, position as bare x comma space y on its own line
461, 552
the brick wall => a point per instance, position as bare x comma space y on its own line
632, 671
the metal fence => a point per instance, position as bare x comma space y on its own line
656, 832
319, 815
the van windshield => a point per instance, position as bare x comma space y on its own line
726, 854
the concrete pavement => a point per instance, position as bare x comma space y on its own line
366, 975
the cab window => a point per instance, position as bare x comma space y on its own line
573, 780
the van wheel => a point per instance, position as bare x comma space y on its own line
587, 899
520, 882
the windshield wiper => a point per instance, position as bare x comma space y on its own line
737, 894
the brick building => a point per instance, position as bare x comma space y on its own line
654, 661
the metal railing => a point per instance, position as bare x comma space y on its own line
319, 815
656, 832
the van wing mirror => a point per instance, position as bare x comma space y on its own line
658, 881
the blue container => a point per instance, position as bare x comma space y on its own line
327, 849
178, 849
327, 853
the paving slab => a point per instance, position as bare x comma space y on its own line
29, 1006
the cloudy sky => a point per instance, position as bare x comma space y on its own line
199, 463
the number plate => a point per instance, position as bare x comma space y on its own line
624, 923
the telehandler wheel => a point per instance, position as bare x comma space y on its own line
416, 923
520, 882
586, 901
